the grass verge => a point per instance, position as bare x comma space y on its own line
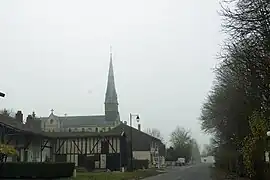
140, 174
219, 174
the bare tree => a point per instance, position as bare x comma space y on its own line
7, 112
155, 133
182, 142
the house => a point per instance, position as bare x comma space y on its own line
145, 146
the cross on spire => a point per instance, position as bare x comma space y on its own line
52, 111
110, 53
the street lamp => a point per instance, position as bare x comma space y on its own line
2, 94
130, 123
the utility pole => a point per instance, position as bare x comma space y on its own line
131, 148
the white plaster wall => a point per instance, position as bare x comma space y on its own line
88, 129
45, 152
53, 125
142, 155
9, 159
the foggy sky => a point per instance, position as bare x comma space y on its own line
55, 54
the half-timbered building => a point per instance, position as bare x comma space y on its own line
90, 150
91, 141
102, 150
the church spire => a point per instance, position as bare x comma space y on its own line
111, 96
111, 102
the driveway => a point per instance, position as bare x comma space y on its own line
192, 172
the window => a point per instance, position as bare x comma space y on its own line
109, 128
51, 121
96, 129
69, 130
89, 129
83, 130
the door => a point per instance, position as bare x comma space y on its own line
103, 161
25, 155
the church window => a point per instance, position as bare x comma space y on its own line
51, 121
96, 129
83, 130
69, 130
109, 128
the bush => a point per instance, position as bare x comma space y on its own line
140, 164
32, 170
7, 150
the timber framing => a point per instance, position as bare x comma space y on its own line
84, 145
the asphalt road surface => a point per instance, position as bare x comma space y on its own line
192, 172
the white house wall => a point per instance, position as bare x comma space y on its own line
142, 155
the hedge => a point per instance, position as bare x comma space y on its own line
35, 170
140, 164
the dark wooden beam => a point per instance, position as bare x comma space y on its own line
27, 143
114, 151
44, 145
61, 145
95, 145
77, 146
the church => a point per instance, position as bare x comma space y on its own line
96, 123
144, 146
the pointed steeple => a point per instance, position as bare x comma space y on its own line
111, 96
111, 102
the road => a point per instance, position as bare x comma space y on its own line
193, 172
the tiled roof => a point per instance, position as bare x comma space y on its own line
79, 134
81, 121
13, 123
141, 141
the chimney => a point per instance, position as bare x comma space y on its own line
29, 118
29, 121
139, 127
19, 116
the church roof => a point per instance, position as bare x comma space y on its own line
70, 121
77, 121
78, 134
